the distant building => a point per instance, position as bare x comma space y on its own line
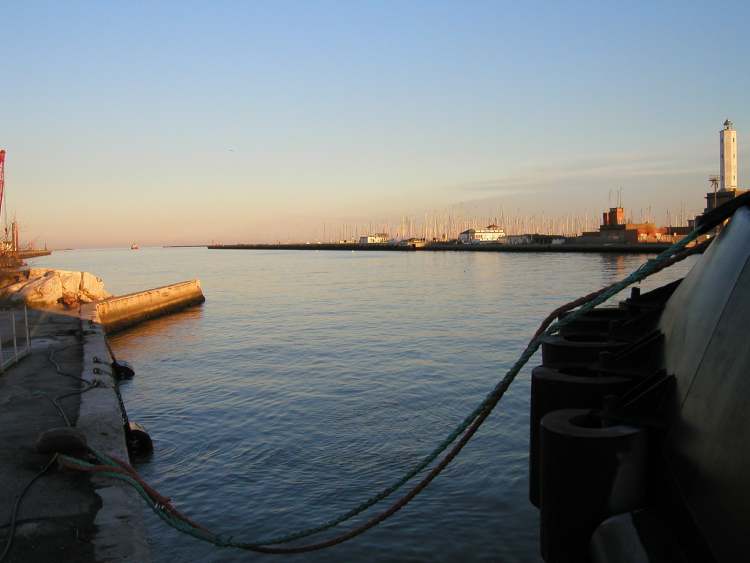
377, 238
491, 233
727, 184
615, 216
413, 242
533, 239
518, 239
616, 230
624, 233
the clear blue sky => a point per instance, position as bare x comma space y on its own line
178, 122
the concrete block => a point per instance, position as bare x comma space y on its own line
120, 312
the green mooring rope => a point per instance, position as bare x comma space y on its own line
486, 406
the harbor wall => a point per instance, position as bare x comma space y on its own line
31, 253
642, 248
121, 535
121, 312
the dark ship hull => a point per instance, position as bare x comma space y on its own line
640, 421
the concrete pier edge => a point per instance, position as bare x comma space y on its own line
123, 311
642, 248
121, 535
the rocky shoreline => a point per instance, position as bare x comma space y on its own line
50, 288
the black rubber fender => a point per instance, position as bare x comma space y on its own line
554, 389
587, 474
596, 321
138, 440
576, 350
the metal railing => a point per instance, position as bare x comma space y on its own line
17, 354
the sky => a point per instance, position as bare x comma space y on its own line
190, 122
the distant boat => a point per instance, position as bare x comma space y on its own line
134, 246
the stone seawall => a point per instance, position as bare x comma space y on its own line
121, 312
121, 535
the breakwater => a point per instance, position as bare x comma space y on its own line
121, 312
643, 248
32, 253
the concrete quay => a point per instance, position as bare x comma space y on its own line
64, 516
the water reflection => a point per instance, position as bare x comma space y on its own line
618, 265
182, 325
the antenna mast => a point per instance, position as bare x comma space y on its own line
714, 181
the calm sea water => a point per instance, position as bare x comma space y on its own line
309, 380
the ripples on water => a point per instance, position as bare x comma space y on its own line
310, 380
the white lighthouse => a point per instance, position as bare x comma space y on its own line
728, 157
728, 189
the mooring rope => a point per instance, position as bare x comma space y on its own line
17, 506
466, 429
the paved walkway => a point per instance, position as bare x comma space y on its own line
55, 522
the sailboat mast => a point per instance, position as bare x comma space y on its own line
2, 180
